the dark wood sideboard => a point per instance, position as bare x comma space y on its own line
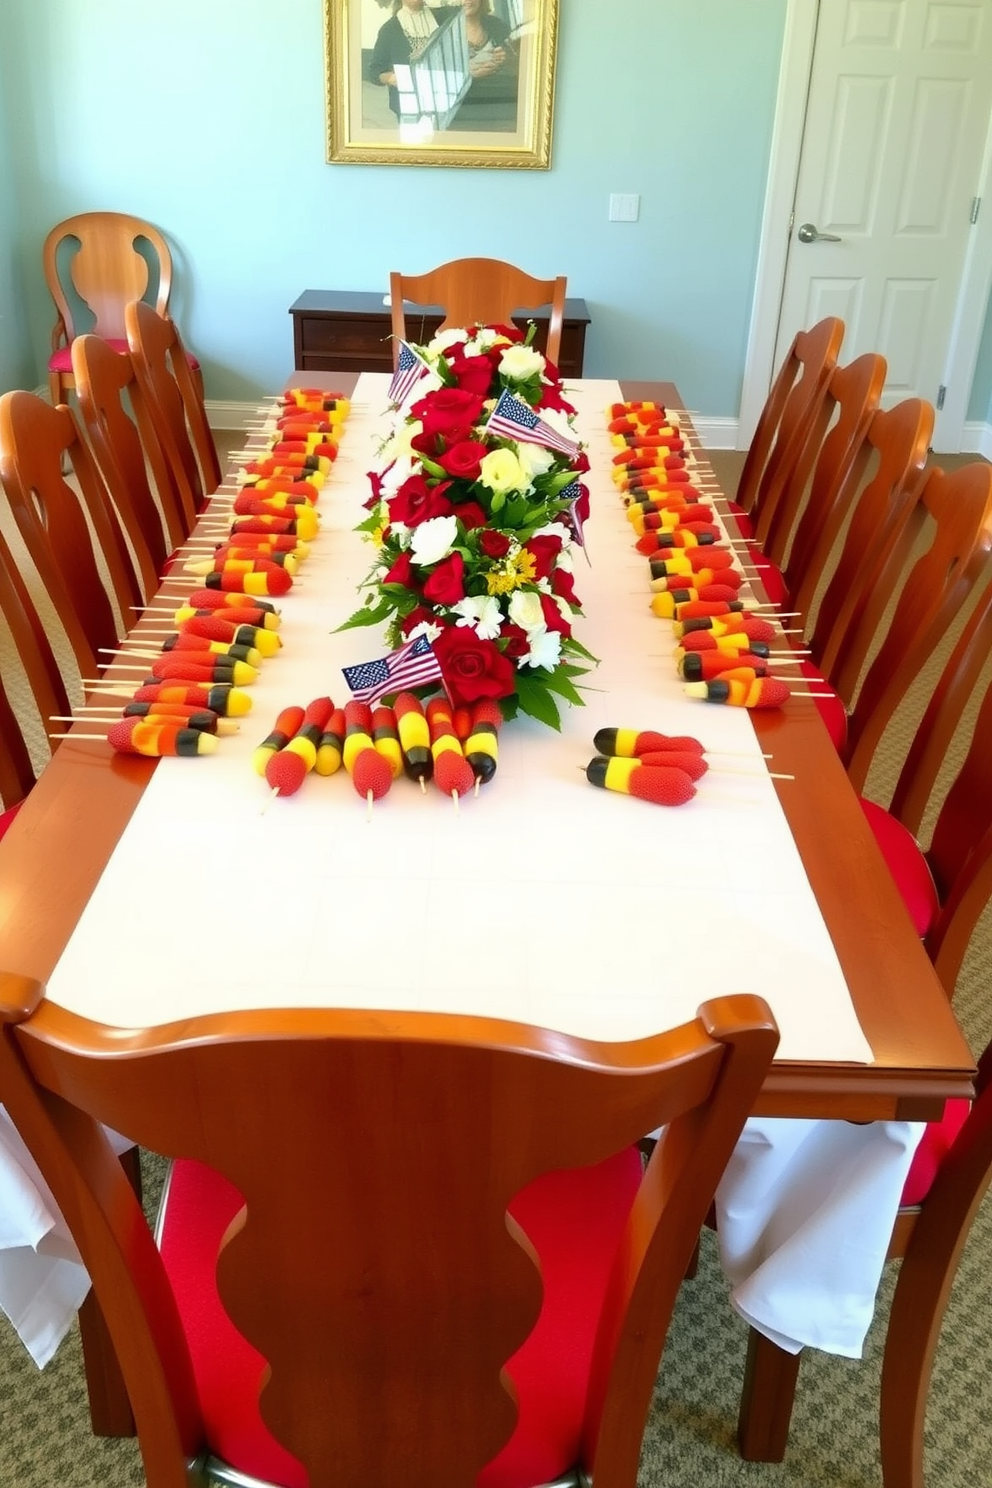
347, 331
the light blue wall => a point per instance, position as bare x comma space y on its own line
207, 118
16, 359
980, 404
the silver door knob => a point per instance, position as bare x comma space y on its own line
810, 233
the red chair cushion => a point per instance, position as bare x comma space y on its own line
574, 1219
830, 708
7, 817
743, 520
61, 360
907, 865
937, 1140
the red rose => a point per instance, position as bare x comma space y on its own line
463, 461
494, 544
416, 617
580, 463
402, 572
472, 668
553, 617
473, 374
447, 408
544, 550
551, 396
509, 331
446, 584
470, 514
563, 584
517, 643
415, 501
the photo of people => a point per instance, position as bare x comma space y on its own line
455, 64
440, 82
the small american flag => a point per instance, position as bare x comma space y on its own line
573, 494
515, 419
410, 368
408, 667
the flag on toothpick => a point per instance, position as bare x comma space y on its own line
410, 368
578, 509
515, 419
411, 665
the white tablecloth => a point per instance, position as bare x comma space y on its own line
804, 1216
42, 1280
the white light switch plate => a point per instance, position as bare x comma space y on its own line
624, 207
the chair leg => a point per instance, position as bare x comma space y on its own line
770, 1377
110, 1408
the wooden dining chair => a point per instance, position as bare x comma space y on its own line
344, 1293
795, 404
893, 456
946, 885
945, 888
475, 291
175, 404
127, 450
805, 512
55, 523
947, 1182
94, 263
954, 513
896, 614
43, 693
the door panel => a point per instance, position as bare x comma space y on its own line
896, 122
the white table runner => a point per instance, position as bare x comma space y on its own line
544, 900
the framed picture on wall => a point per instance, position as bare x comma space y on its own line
465, 83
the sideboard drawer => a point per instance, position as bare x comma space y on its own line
345, 331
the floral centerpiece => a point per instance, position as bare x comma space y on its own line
476, 511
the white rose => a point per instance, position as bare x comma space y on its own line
482, 613
427, 628
502, 472
525, 609
400, 471
433, 540
444, 340
535, 459
484, 338
559, 421
545, 649
520, 362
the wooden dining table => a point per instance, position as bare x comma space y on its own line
70, 824
65, 836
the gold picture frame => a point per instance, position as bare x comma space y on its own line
476, 88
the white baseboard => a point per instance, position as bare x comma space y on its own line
716, 433
230, 415
976, 439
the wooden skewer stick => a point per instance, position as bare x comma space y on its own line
129, 651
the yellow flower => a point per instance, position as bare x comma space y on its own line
520, 569
375, 536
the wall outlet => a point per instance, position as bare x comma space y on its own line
624, 207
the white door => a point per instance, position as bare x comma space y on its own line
897, 117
